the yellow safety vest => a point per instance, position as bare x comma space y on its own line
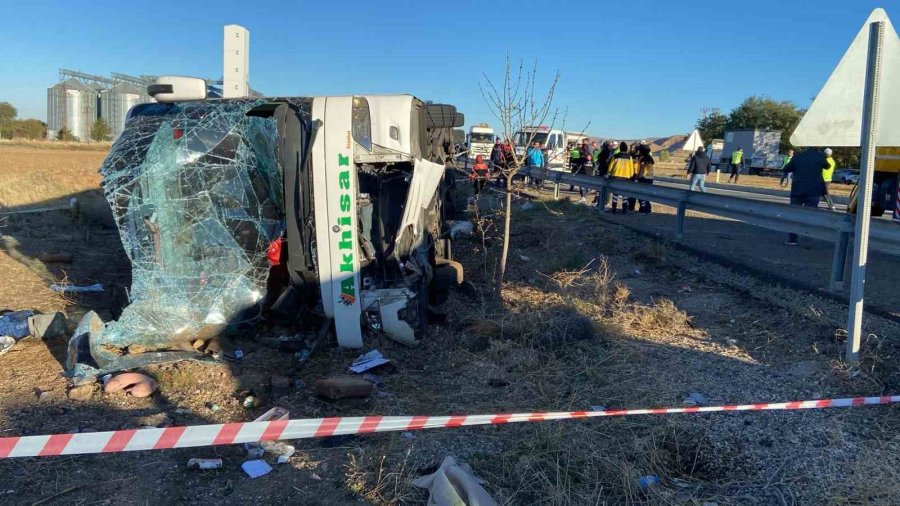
827, 173
736, 157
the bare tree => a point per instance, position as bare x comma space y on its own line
516, 105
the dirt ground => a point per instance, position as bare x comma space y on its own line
591, 315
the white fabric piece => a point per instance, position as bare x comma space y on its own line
454, 485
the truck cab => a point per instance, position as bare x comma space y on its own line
553, 142
480, 141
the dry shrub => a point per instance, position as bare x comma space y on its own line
663, 318
379, 481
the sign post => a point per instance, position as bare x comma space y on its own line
864, 202
859, 106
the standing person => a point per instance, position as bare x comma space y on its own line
786, 177
574, 161
603, 158
480, 175
535, 159
595, 155
736, 158
497, 154
621, 167
585, 154
827, 174
806, 185
698, 168
645, 172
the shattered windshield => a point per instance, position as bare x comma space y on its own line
196, 193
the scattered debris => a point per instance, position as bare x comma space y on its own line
48, 326
315, 477
459, 229
524, 258
526, 206
254, 450
213, 407
15, 324
256, 468
280, 449
695, 399
731, 342
598, 408
6, 344
648, 481
82, 392
342, 387
368, 361
273, 414
454, 484
407, 435
95, 288
138, 385
249, 402
204, 464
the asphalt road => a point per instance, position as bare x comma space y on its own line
744, 192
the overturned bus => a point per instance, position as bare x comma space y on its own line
236, 210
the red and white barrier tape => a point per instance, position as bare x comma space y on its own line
234, 433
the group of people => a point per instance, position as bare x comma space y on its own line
613, 159
610, 159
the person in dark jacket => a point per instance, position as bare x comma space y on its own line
699, 167
497, 154
807, 186
645, 163
603, 159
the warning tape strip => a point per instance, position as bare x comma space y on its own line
250, 432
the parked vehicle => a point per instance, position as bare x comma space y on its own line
761, 149
480, 141
845, 176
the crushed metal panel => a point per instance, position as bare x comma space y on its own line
835, 117
426, 178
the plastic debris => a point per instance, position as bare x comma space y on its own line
214, 407
282, 450
47, 326
138, 385
342, 387
527, 205
254, 450
204, 464
648, 481
454, 484
249, 401
15, 324
95, 288
6, 344
598, 408
524, 258
256, 468
368, 361
696, 399
407, 435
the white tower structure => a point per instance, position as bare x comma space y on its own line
236, 65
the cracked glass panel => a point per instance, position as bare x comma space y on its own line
197, 196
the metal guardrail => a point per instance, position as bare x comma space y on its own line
827, 226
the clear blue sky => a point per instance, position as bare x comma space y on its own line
633, 69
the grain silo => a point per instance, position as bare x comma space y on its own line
115, 103
72, 105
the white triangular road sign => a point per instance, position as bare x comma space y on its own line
835, 117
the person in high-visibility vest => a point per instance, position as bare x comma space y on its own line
736, 158
827, 174
621, 167
786, 177
574, 161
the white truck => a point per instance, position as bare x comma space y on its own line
298, 209
552, 140
480, 141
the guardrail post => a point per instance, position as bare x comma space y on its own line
556, 190
679, 224
839, 262
602, 196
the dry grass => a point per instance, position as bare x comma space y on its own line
34, 175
